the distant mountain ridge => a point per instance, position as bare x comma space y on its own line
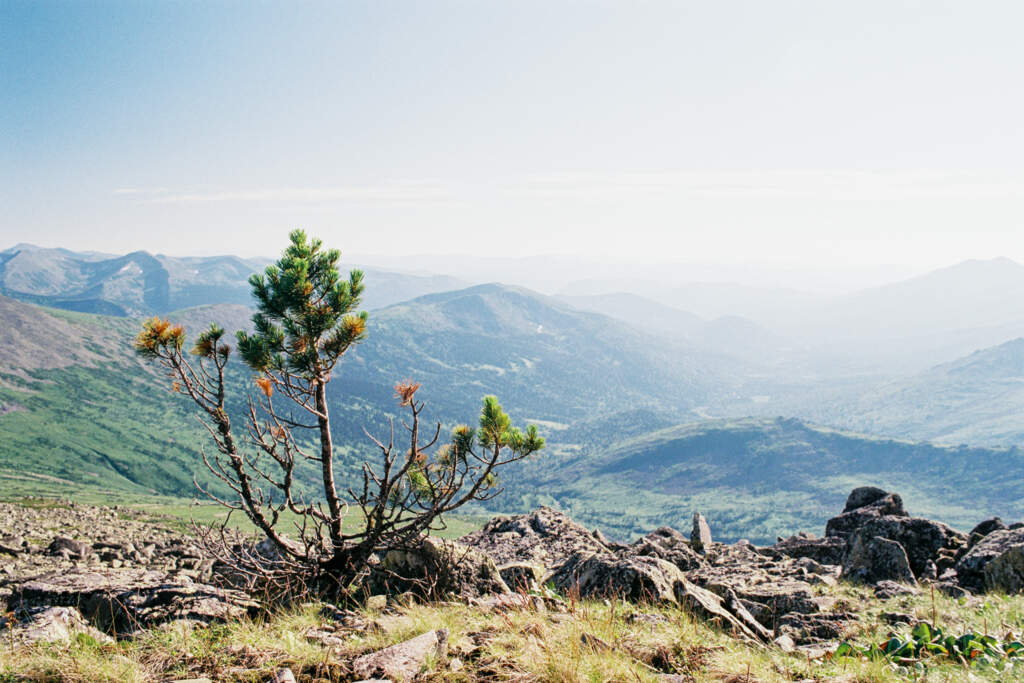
141, 283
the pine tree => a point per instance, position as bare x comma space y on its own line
307, 318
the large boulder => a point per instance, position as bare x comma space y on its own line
873, 558
545, 537
435, 567
622, 575
922, 539
863, 505
973, 570
863, 496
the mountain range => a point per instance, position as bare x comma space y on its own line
618, 382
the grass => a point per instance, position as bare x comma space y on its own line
523, 645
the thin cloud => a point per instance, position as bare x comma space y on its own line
405, 191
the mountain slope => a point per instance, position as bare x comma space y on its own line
977, 399
78, 404
759, 478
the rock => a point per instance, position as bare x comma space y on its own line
403, 661
68, 547
439, 568
863, 496
700, 537
670, 545
376, 602
706, 604
48, 625
922, 539
871, 559
124, 601
828, 550
521, 576
283, 676
951, 589
970, 569
1005, 572
853, 518
983, 529
545, 538
622, 575
891, 589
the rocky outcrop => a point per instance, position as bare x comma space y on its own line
972, 569
863, 505
438, 568
668, 544
545, 537
872, 559
618, 575
921, 539
127, 600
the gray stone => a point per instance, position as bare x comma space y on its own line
48, 625
440, 568
127, 600
1005, 573
863, 496
621, 575
970, 569
922, 539
700, 536
854, 518
670, 545
545, 538
521, 576
871, 559
828, 550
403, 661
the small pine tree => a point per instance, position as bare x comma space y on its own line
307, 318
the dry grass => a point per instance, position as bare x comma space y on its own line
596, 642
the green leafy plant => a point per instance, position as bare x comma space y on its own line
925, 641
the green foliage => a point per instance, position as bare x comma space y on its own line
304, 321
927, 642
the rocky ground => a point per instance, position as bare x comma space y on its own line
534, 597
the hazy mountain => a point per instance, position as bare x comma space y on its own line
728, 335
759, 478
544, 358
977, 399
143, 284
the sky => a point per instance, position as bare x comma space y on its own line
828, 135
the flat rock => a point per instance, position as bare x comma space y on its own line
126, 600
47, 625
403, 661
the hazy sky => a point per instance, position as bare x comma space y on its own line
787, 133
